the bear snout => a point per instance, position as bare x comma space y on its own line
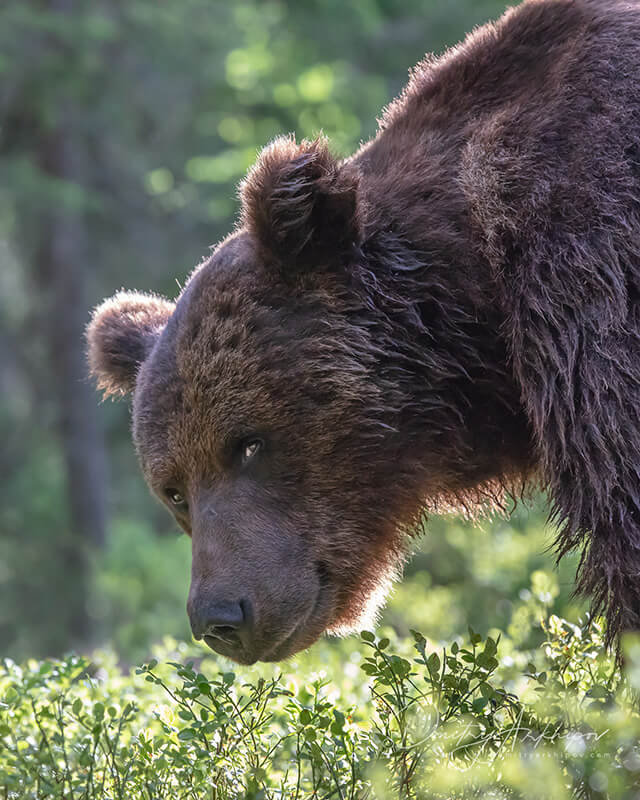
226, 624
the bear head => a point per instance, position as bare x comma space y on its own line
266, 413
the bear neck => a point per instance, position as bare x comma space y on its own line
428, 301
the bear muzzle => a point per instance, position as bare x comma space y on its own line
226, 625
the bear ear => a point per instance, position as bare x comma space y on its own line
302, 205
120, 336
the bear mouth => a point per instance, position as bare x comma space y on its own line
230, 648
305, 631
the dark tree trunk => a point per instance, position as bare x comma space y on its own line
63, 263
63, 266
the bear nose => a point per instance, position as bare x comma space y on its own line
222, 619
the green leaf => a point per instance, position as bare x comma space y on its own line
11, 695
337, 726
433, 664
474, 637
479, 703
486, 662
305, 716
490, 647
367, 636
400, 666
187, 735
597, 692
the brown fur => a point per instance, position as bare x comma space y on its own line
452, 311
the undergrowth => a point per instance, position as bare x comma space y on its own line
460, 721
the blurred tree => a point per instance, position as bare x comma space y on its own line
43, 128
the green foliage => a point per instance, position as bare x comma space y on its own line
30, 558
424, 722
476, 572
140, 589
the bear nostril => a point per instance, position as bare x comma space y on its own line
222, 619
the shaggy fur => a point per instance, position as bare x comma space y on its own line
453, 311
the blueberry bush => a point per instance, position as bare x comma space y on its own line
479, 717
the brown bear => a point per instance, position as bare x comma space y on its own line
451, 313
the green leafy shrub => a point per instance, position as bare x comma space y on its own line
476, 718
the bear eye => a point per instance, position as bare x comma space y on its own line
250, 449
175, 497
